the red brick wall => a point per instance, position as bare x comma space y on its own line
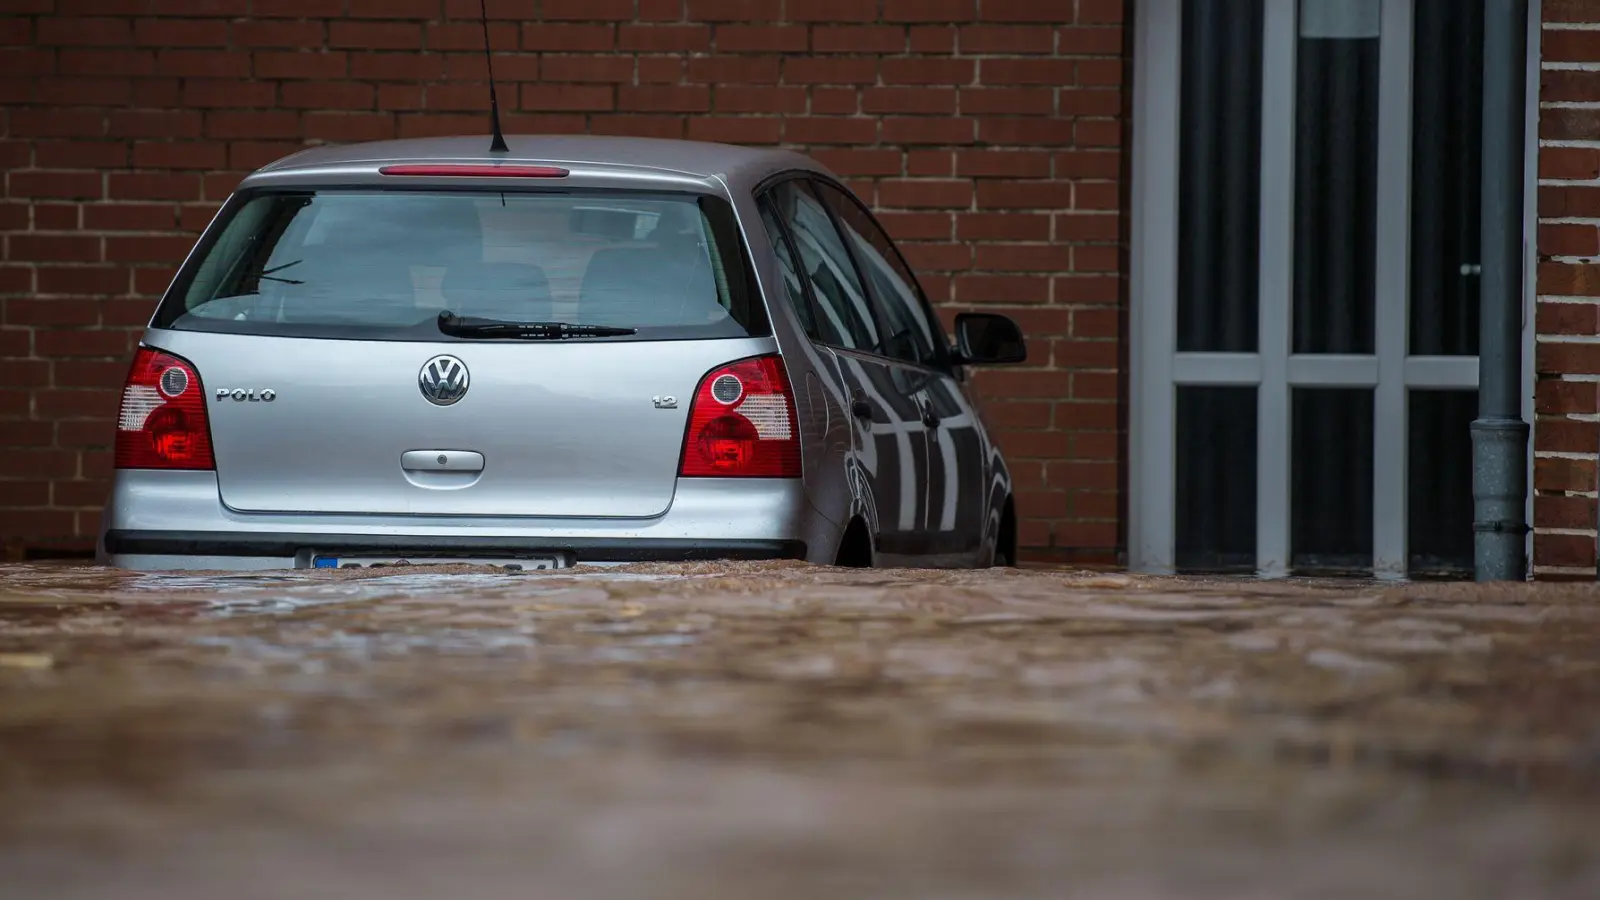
1566, 424
990, 135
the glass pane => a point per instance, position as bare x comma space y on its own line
1439, 533
792, 285
1446, 149
1216, 479
894, 288
1335, 179
1219, 180
1331, 481
846, 321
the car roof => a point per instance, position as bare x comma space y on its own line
700, 159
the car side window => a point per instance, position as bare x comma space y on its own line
894, 289
843, 312
793, 284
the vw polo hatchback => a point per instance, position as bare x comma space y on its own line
582, 350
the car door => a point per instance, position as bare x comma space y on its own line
889, 443
956, 476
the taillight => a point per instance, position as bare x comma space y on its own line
446, 170
742, 423
163, 424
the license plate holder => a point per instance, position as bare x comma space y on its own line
372, 561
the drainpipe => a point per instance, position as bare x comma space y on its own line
1499, 435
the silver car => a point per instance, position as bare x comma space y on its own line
583, 350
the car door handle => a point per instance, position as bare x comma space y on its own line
929, 417
861, 409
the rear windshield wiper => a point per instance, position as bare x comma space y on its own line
467, 327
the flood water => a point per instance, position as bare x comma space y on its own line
779, 731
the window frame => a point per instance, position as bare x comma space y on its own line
922, 308
943, 357
173, 305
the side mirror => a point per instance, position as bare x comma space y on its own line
987, 339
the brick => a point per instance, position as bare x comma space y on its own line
1570, 46
1092, 12
722, 70
107, 62
84, 30
1566, 436
734, 10
855, 162
568, 38
57, 123
1027, 10
468, 36
1571, 279
919, 100
616, 10
256, 154
915, 226
929, 10
924, 70
325, 65
149, 186
736, 129
858, 39
297, 9
660, 70
202, 63
1026, 130
80, 343
54, 248
1024, 194
1006, 39
374, 35
1553, 511
829, 130
1100, 72
640, 126
349, 126
252, 34
734, 98
1569, 240
148, 248
835, 101
1564, 397
567, 97
1081, 41
1023, 257
180, 33
1002, 227
760, 38
180, 155
55, 216
687, 38
1580, 85
124, 217
1568, 201
1567, 318
38, 311
1003, 163
1569, 550
928, 130
1002, 289
588, 68
325, 96
76, 185
802, 70
1008, 101
1569, 123
933, 39
395, 9
930, 162
253, 124
200, 92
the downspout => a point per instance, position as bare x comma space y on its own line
1499, 435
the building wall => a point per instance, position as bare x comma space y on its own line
1566, 430
990, 138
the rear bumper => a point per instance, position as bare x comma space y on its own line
176, 520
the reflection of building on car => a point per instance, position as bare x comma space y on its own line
588, 350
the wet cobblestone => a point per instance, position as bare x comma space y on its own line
789, 731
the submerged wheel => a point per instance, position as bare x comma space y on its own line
855, 548
1005, 540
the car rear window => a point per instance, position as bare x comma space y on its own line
382, 264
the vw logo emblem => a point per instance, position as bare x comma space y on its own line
443, 380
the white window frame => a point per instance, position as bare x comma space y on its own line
1157, 366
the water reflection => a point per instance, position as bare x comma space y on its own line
787, 731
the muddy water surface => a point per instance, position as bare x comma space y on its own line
782, 731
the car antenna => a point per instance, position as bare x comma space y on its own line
497, 144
